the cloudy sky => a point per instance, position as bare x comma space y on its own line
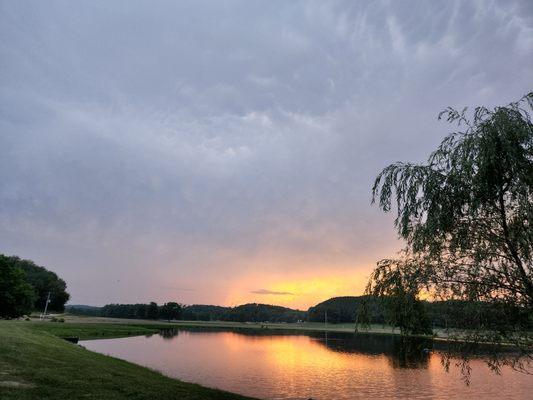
223, 152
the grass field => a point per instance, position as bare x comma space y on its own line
36, 364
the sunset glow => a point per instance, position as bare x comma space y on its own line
301, 293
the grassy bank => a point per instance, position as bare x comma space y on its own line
36, 364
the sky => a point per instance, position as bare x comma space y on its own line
223, 152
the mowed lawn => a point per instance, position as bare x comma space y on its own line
36, 364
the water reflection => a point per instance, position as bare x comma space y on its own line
169, 333
402, 352
289, 365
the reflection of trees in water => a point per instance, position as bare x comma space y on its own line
402, 352
168, 333
411, 353
248, 332
496, 356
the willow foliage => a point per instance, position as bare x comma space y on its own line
466, 215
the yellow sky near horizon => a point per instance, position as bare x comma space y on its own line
299, 292
297, 280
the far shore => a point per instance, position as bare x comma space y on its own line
302, 326
375, 329
439, 334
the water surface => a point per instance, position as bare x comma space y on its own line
318, 366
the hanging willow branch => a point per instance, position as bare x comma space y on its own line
471, 204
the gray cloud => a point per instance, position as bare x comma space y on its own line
162, 140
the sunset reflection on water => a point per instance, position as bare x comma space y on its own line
318, 366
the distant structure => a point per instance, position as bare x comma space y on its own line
43, 315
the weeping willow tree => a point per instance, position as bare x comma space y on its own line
466, 216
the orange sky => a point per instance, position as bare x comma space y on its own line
301, 292
277, 276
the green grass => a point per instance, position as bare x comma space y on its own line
85, 331
36, 364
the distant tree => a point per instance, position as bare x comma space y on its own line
123, 311
132, 311
16, 294
43, 281
466, 215
84, 310
393, 283
152, 311
170, 311
141, 311
203, 312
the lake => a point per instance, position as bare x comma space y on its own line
316, 365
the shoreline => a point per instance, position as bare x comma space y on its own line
36, 363
439, 335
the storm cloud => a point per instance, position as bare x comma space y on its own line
216, 146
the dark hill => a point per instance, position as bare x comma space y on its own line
254, 312
345, 309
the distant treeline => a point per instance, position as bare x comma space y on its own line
141, 311
441, 314
348, 309
263, 313
244, 313
79, 309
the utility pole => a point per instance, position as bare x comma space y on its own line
43, 315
